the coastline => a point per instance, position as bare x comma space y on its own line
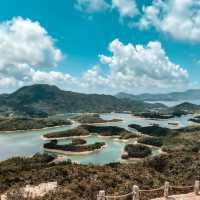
70, 153
65, 138
73, 123
39, 129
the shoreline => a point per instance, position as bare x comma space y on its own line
39, 129
73, 123
71, 153
64, 138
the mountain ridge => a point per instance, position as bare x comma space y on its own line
187, 95
43, 100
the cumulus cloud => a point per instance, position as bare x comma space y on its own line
91, 6
126, 8
179, 18
142, 67
24, 46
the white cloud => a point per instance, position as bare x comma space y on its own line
91, 6
126, 8
179, 18
25, 45
142, 67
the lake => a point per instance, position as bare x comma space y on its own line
27, 143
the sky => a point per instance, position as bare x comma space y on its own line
100, 46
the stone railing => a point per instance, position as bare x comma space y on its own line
136, 192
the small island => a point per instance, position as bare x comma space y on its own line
196, 119
92, 119
15, 124
153, 130
76, 147
109, 131
68, 134
154, 115
136, 151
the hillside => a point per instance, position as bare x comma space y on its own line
174, 96
42, 100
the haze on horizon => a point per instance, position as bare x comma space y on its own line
100, 46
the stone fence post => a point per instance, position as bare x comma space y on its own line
136, 194
196, 187
166, 190
101, 195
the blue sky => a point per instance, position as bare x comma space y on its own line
81, 33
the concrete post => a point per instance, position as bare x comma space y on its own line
101, 195
196, 187
136, 194
166, 190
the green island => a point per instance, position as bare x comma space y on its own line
71, 133
154, 115
92, 119
136, 151
196, 119
107, 131
76, 147
152, 130
13, 124
87, 130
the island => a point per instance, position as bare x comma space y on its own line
68, 134
23, 123
196, 119
74, 148
110, 131
154, 115
152, 130
92, 119
136, 151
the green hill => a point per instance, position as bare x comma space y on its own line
42, 100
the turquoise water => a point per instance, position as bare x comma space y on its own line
27, 143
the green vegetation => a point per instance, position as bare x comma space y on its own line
13, 124
127, 136
154, 141
106, 130
153, 130
173, 96
78, 141
42, 100
184, 139
82, 182
196, 119
76, 132
92, 118
136, 151
73, 147
154, 115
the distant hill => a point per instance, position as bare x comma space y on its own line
43, 100
185, 108
174, 96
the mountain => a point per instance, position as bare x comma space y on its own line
185, 108
174, 96
43, 100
